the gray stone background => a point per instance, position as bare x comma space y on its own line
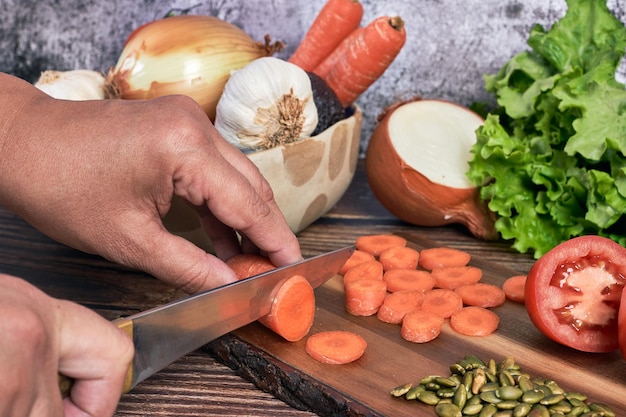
450, 43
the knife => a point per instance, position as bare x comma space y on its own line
166, 333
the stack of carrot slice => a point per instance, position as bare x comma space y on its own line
420, 290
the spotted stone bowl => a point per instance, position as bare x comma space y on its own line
308, 178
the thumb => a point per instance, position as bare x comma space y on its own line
96, 355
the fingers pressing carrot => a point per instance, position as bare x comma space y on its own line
399, 257
357, 257
246, 265
408, 280
375, 244
398, 304
366, 55
513, 287
481, 295
421, 326
365, 296
334, 22
335, 347
441, 257
454, 276
364, 270
474, 321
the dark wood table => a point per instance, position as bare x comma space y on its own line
198, 384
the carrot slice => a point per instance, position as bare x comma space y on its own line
421, 326
366, 54
357, 257
474, 321
442, 302
408, 280
513, 287
335, 347
441, 257
397, 305
452, 277
399, 257
364, 270
481, 295
334, 22
375, 244
246, 264
293, 309
365, 296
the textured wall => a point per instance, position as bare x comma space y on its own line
450, 45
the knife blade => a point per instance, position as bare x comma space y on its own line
166, 333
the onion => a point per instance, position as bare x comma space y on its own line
416, 165
187, 54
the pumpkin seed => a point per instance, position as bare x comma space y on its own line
552, 399
602, 408
490, 397
414, 392
525, 383
460, 396
446, 382
539, 411
400, 390
521, 410
506, 404
533, 396
490, 386
506, 378
428, 397
562, 407
488, 411
446, 392
457, 369
509, 392
472, 409
448, 410
480, 379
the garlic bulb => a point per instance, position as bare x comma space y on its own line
72, 85
267, 103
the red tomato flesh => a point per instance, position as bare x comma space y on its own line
573, 293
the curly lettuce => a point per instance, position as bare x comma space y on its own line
550, 158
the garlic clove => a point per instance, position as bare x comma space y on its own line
267, 103
416, 164
76, 85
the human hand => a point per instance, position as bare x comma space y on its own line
42, 336
99, 176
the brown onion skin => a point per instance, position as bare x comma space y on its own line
194, 35
412, 197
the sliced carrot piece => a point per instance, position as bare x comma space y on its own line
452, 277
293, 309
364, 270
399, 257
246, 264
474, 321
357, 257
397, 305
441, 257
408, 280
513, 287
375, 244
421, 326
335, 347
364, 296
442, 302
481, 295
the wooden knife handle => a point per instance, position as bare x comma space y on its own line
65, 383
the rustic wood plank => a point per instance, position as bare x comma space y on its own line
390, 360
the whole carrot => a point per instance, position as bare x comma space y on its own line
335, 21
363, 57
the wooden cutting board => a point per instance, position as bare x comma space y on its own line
362, 388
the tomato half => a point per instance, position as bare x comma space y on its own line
573, 293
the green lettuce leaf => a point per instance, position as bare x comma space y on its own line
550, 159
